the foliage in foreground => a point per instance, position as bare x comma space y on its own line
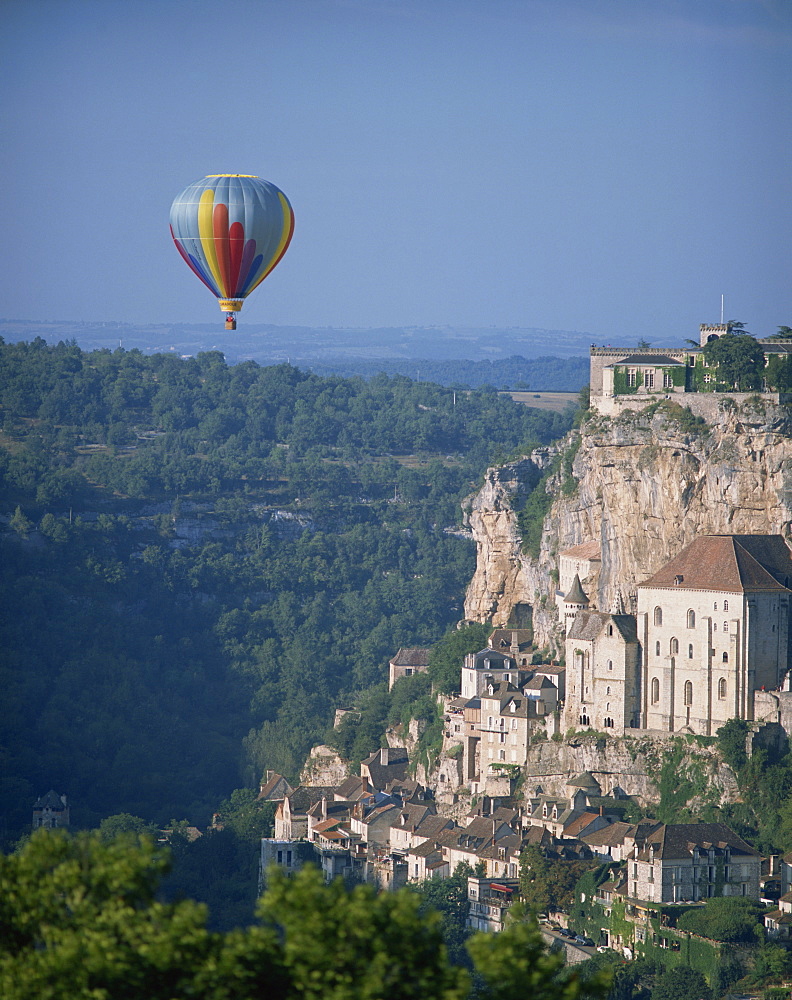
79, 920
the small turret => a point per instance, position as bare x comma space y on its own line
575, 600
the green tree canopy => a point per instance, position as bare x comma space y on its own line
681, 983
725, 918
79, 920
448, 655
739, 359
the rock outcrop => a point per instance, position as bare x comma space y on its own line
643, 485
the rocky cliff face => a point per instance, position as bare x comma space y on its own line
645, 485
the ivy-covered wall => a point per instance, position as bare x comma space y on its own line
620, 386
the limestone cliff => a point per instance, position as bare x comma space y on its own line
643, 485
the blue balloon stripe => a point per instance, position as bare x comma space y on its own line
254, 272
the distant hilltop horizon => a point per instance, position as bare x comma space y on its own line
516, 358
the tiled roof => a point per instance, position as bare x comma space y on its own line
412, 656
353, 788
586, 550
609, 836
576, 593
588, 625
503, 638
584, 780
677, 840
538, 683
647, 360
728, 563
305, 796
579, 823
49, 801
276, 788
492, 659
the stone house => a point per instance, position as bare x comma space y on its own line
517, 642
291, 814
415, 825
714, 624
385, 765
505, 725
603, 677
408, 661
274, 788
779, 921
690, 862
490, 665
51, 811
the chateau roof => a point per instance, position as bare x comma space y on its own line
412, 656
491, 659
586, 550
677, 840
650, 360
728, 563
49, 801
502, 638
589, 624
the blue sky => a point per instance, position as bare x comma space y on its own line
601, 165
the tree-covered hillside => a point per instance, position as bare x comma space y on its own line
199, 562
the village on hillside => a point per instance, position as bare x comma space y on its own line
707, 642
704, 640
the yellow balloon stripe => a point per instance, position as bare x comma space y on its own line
286, 234
206, 232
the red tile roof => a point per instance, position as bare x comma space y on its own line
728, 563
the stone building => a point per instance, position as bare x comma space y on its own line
692, 861
50, 811
490, 665
407, 662
603, 672
714, 624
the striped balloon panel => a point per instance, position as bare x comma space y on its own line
231, 231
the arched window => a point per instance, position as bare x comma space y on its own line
690, 651
610, 664
610, 630
674, 646
725, 657
655, 690
657, 648
607, 690
715, 606
691, 618
688, 695
714, 626
658, 616
725, 626
722, 688
725, 605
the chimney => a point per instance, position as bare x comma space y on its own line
384, 756
324, 807
515, 645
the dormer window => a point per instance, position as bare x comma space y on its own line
678, 580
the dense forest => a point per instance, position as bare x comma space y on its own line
200, 562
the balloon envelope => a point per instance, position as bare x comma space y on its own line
231, 229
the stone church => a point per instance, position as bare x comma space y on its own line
710, 642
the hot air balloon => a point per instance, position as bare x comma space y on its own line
231, 229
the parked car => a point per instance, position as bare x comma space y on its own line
585, 941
